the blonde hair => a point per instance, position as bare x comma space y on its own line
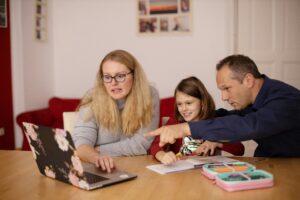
137, 111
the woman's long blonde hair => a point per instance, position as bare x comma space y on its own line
137, 111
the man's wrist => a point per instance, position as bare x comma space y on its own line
186, 129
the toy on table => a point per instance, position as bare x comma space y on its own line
189, 145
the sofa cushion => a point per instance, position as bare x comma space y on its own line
59, 105
166, 108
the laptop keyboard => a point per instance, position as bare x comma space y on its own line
92, 178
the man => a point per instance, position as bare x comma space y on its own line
265, 110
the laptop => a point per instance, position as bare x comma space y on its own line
55, 155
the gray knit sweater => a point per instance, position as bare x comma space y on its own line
115, 144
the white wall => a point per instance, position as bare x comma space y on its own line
32, 62
37, 59
85, 31
82, 32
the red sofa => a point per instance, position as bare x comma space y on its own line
53, 115
50, 116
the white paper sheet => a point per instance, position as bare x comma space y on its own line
179, 165
198, 161
191, 163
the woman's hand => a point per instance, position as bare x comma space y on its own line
97, 148
106, 163
207, 148
93, 155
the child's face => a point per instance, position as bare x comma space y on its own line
188, 106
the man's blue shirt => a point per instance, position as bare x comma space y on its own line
273, 121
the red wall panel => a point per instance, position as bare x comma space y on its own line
6, 102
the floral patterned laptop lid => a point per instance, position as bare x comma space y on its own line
55, 154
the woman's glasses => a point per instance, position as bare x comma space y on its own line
118, 78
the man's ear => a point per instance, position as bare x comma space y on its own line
249, 80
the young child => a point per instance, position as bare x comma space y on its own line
193, 103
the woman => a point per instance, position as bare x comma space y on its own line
193, 103
115, 114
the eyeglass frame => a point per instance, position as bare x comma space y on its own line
115, 77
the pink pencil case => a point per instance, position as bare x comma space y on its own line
236, 181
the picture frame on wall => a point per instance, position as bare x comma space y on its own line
164, 17
3, 14
41, 20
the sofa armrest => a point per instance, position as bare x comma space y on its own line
39, 117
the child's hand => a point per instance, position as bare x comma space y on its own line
168, 158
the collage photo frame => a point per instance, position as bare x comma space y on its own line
164, 17
3, 14
41, 20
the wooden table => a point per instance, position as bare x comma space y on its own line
20, 179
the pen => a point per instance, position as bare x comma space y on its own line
178, 154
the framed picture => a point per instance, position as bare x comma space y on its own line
3, 14
164, 17
41, 20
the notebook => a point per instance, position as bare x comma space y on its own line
55, 155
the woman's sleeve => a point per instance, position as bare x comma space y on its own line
137, 144
85, 131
